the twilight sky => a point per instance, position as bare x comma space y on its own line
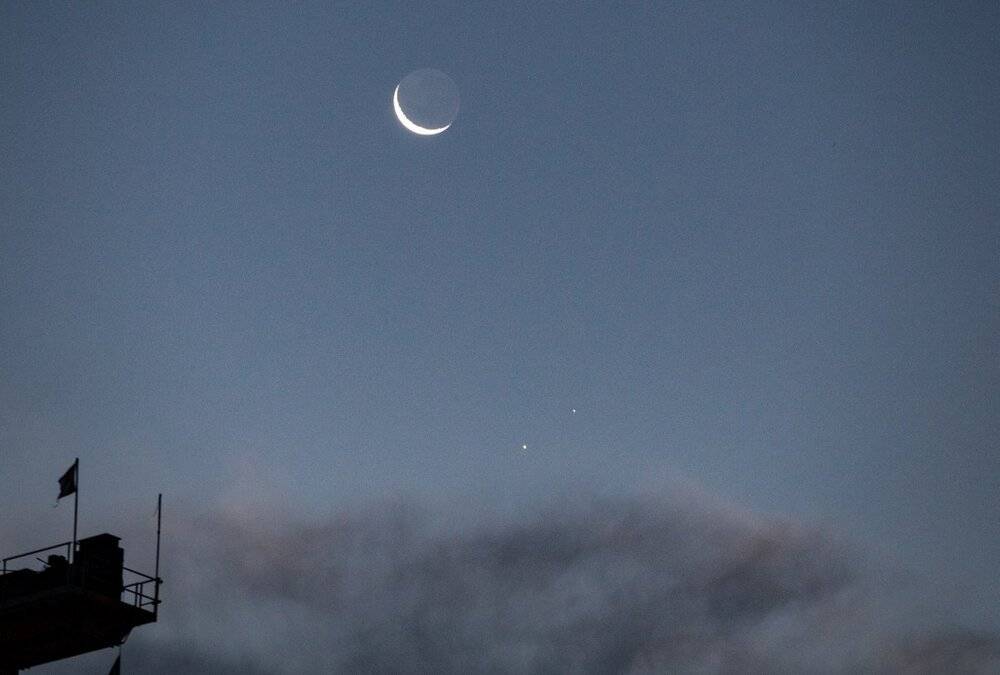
756, 248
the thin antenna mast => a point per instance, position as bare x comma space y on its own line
156, 574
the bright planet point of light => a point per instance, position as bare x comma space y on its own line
524, 446
405, 121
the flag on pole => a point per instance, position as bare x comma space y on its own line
116, 667
67, 484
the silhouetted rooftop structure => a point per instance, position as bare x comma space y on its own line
81, 601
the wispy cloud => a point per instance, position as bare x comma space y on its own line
639, 586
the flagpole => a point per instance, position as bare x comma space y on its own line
76, 504
156, 587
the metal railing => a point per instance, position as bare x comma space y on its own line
135, 593
67, 545
5, 563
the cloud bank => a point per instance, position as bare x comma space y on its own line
637, 586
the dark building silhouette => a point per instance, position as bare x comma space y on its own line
81, 601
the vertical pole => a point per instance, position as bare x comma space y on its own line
156, 574
76, 503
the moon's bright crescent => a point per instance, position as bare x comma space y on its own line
415, 128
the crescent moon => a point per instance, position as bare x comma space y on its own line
415, 128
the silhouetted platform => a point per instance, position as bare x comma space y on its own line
73, 608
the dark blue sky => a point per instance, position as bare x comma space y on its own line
755, 247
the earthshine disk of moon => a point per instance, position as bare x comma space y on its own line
426, 102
